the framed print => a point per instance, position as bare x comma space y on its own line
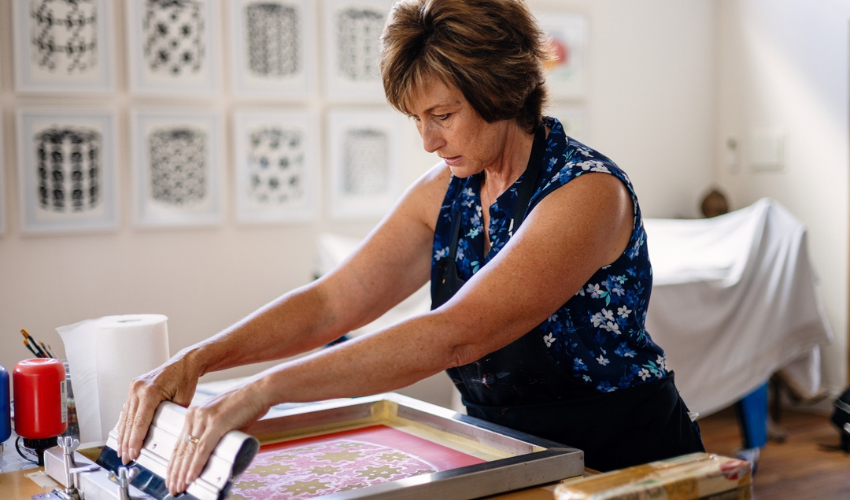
572, 118
363, 155
63, 45
386, 446
393, 447
566, 75
273, 48
352, 33
277, 165
67, 170
177, 174
173, 46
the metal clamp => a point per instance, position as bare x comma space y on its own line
124, 477
76, 472
69, 445
72, 491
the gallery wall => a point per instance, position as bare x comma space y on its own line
648, 103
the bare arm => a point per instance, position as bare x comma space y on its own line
569, 236
392, 262
572, 233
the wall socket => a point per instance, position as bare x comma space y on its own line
767, 151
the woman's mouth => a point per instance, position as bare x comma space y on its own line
452, 160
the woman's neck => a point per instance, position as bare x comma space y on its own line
501, 175
513, 161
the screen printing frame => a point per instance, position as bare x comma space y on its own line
529, 461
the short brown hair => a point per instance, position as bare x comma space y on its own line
492, 50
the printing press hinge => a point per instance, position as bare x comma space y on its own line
143, 479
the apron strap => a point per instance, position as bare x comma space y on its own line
532, 173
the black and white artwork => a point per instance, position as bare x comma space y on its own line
173, 46
67, 168
178, 167
272, 36
365, 167
358, 43
174, 37
353, 43
63, 45
277, 165
176, 172
273, 48
64, 35
365, 177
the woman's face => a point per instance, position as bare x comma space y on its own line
450, 127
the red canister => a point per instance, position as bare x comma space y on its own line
40, 398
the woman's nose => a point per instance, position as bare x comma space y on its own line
432, 140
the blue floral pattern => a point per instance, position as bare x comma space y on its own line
598, 336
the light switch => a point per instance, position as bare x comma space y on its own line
767, 151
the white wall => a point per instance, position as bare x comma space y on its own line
784, 68
651, 97
649, 107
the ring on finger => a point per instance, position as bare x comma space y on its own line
193, 440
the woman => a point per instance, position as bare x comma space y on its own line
538, 319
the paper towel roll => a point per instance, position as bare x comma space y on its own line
104, 356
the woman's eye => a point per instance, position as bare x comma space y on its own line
443, 117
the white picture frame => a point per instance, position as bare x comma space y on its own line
173, 47
43, 62
177, 172
573, 118
273, 49
363, 152
67, 170
352, 30
566, 77
277, 165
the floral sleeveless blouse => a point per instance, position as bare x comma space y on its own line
597, 336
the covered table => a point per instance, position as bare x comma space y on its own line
734, 301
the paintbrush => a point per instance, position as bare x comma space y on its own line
28, 346
39, 352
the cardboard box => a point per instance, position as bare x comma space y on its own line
698, 476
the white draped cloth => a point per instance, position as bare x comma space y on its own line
733, 301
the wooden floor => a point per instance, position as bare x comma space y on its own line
797, 469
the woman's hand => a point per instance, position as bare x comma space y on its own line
174, 381
204, 427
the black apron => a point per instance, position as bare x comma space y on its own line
522, 387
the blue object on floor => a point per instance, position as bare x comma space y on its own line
752, 417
